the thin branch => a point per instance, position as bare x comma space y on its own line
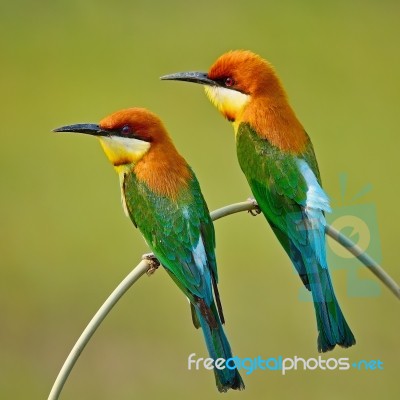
148, 264
248, 205
95, 322
367, 260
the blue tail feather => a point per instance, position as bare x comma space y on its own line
218, 347
332, 326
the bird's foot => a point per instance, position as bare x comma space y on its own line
153, 263
256, 210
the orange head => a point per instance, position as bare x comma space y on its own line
246, 72
135, 140
245, 89
126, 135
234, 80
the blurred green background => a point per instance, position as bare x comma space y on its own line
65, 242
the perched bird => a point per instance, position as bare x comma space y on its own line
162, 197
277, 157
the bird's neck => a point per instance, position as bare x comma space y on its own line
276, 122
162, 169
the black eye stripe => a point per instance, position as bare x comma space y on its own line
225, 81
126, 130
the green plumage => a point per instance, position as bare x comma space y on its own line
169, 233
180, 233
280, 184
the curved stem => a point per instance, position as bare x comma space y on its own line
367, 260
147, 264
247, 205
95, 322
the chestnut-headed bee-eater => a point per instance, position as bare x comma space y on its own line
162, 197
277, 157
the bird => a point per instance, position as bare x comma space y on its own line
277, 158
162, 197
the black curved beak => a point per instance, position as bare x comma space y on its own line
195, 77
89, 129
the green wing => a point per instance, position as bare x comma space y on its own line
273, 176
280, 182
179, 232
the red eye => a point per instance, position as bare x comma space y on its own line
126, 130
229, 82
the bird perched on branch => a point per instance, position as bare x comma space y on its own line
162, 197
277, 157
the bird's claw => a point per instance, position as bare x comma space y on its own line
153, 263
256, 210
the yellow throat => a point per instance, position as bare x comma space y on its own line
231, 103
122, 151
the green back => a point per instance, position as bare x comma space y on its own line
172, 229
275, 180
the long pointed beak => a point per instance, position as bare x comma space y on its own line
195, 77
89, 129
